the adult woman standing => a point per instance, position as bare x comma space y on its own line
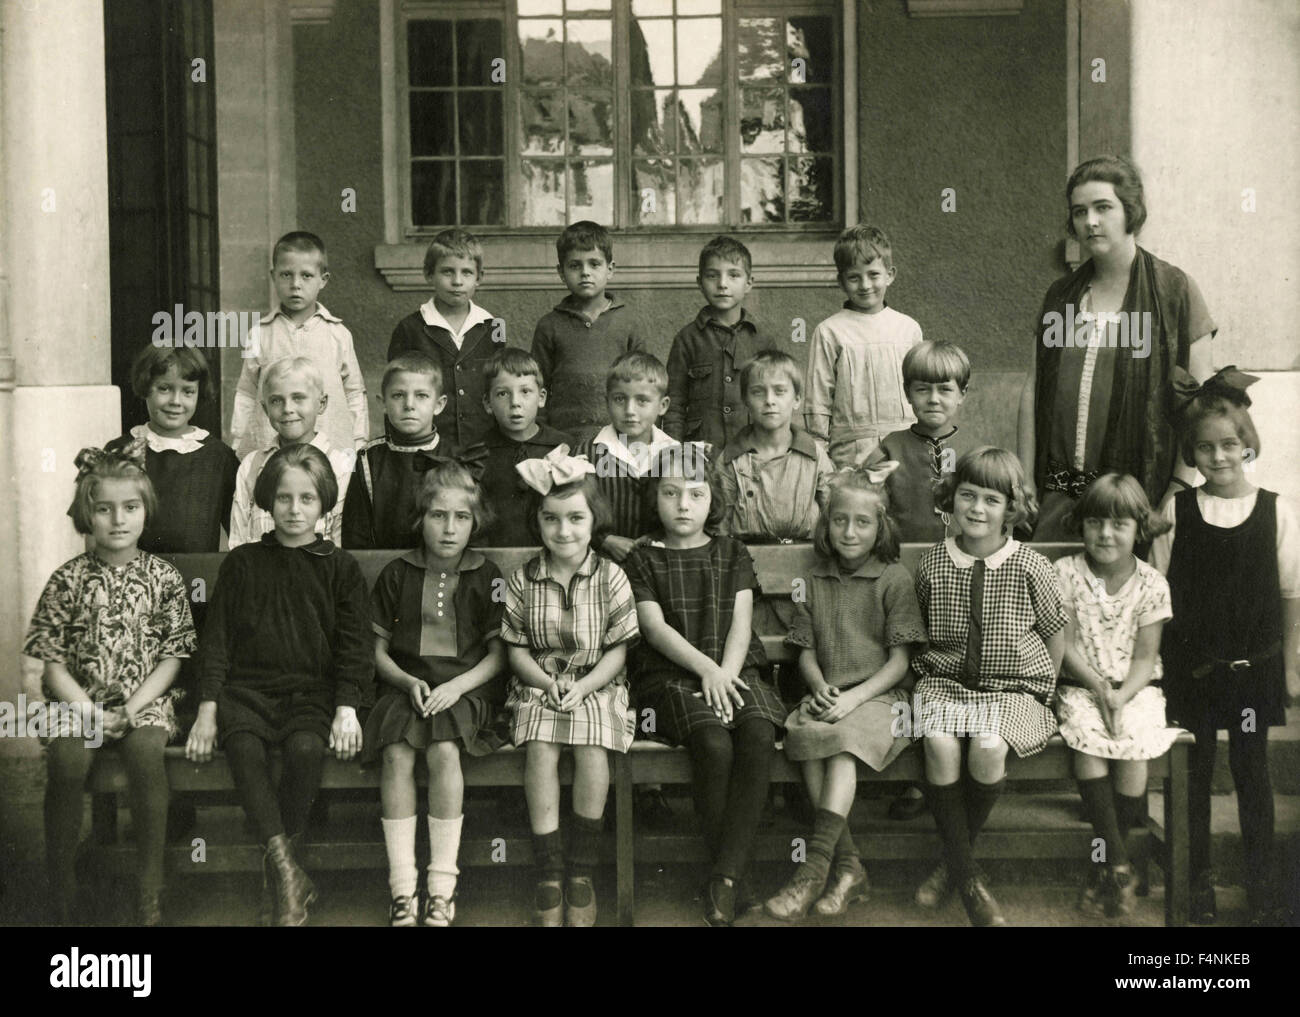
1109, 337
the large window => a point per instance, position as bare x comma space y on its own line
636, 113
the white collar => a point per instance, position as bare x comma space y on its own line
191, 442
640, 465
321, 311
320, 441
432, 316
964, 561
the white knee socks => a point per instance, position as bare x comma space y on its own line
399, 840
444, 846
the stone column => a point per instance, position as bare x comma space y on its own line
55, 395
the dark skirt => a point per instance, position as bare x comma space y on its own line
680, 711
273, 718
473, 722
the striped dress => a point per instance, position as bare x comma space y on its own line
567, 631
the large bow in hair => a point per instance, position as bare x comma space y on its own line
556, 468
88, 459
1226, 382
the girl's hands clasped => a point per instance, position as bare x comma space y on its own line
345, 733
720, 689
419, 693
442, 697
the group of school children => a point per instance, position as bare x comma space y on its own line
643, 595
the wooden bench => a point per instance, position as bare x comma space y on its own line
778, 567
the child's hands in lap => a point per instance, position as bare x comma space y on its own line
419, 694
572, 697
345, 733
442, 697
554, 694
116, 724
203, 735
821, 699
720, 689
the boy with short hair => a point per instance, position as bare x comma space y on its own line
575, 343
380, 511
293, 400
774, 474
705, 398
935, 377
624, 450
456, 333
855, 381
302, 327
514, 393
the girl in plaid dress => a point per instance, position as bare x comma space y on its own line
439, 655
993, 610
1113, 713
856, 630
569, 617
698, 669
112, 627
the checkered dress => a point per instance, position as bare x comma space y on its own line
1016, 681
696, 590
567, 632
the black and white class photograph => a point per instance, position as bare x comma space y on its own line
658, 463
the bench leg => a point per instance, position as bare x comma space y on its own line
1178, 861
103, 818
623, 862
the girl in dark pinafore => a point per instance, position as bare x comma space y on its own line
1233, 563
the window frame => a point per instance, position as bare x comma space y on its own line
797, 251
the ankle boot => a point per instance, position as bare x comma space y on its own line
291, 888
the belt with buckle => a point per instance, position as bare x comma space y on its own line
1237, 666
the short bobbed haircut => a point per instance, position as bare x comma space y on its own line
728, 249
998, 470
584, 235
307, 458
687, 462
602, 516
412, 362
768, 362
1205, 406
936, 361
112, 467
861, 245
1121, 174
1117, 496
453, 243
451, 476
858, 481
152, 362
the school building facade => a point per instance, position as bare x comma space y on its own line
151, 152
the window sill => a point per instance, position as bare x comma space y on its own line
642, 260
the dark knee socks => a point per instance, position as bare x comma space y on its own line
711, 755
828, 828
1248, 760
548, 855
247, 757
980, 799
846, 849
960, 812
584, 845
142, 753
303, 753
1099, 799
67, 761
754, 744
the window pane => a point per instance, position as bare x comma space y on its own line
654, 193
530, 7
699, 6
590, 128
433, 193
432, 116
812, 40
699, 51
591, 191
482, 193
541, 45
588, 52
481, 123
652, 52
812, 189
762, 120
428, 52
478, 43
762, 190
575, 6
699, 125
652, 122
700, 188
542, 186
758, 50
541, 122
811, 129
646, 7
